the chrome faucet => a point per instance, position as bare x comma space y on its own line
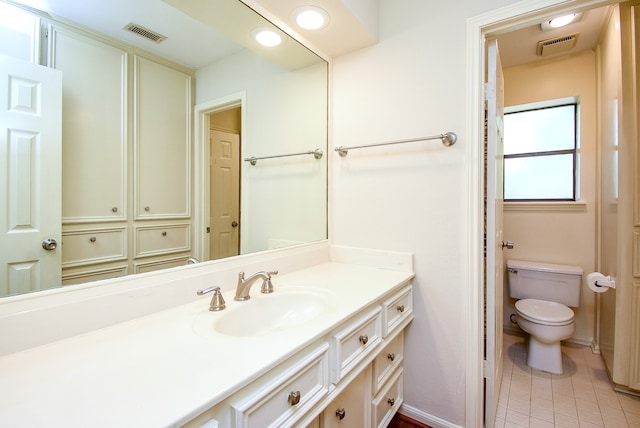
244, 285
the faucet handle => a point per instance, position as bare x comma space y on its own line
267, 285
217, 301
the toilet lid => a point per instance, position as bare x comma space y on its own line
544, 312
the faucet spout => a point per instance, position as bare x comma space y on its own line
244, 285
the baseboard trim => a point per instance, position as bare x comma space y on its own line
425, 418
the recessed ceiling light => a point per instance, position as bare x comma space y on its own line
267, 37
311, 17
561, 21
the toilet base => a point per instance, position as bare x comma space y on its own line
544, 356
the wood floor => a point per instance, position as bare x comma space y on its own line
401, 421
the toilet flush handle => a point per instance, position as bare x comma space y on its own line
507, 244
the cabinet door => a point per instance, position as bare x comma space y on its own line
349, 408
94, 126
162, 117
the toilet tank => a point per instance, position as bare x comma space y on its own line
545, 281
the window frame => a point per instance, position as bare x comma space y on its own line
573, 101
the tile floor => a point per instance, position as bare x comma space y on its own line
582, 397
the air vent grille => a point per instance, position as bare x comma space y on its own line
557, 45
145, 32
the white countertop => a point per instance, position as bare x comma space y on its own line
157, 370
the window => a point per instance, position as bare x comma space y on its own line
540, 153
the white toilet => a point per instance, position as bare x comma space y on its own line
545, 292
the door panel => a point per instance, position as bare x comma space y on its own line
495, 269
225, 194
30, 153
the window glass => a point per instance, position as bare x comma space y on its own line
539, 177
540, 154
540, 130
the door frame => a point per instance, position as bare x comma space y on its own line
201, 180
479, 28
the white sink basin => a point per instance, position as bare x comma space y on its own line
264, 313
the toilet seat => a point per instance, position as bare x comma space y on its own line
544, 312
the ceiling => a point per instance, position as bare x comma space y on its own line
108, 17
520, 46
215, 24
353, 25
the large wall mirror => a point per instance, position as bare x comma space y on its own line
157, 133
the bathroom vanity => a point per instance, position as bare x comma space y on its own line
325, 349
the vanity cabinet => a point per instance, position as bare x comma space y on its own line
126, 173
350, 377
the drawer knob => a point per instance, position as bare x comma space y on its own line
364, 339
92, 239
400, 308
391, 401
164, 233
294, 397
340, 414
147, 208
114, 209
391, 356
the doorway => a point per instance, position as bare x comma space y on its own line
223, 119
480, 29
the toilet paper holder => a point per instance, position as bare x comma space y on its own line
600, 283
607, 281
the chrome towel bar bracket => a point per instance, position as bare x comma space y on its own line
448, 139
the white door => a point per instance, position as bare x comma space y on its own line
225, 194
30, 183
495, 269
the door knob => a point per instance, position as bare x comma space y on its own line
234, 224
507, 244
49, 244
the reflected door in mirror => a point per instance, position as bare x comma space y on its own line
225, 194
30, 149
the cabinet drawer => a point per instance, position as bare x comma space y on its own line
387, 361
153, 265
153, 240
388, 401
81, 247
288, 397
82, 276
396, 309
352, 343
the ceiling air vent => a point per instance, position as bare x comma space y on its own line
557, 45
145, 32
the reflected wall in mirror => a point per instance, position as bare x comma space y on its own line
126, 155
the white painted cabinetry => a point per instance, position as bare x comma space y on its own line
349, 408
126, 185
162, 119
350, 377
94, 126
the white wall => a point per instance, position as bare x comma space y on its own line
542, 232
284, 198
412, 197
